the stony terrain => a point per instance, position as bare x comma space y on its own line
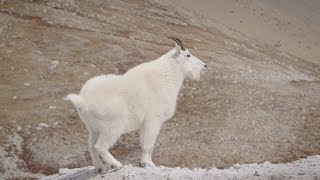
302, 169
255, 104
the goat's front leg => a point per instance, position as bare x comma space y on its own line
148, 136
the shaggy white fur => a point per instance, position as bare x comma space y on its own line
141, 99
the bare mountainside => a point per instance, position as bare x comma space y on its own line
291, 26
255, 104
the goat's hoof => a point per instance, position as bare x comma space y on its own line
114, 168
147, 164
102, 170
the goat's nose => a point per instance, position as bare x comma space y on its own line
205, 66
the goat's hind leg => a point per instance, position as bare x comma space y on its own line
104, 142
98, 165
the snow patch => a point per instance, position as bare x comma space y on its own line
307, 168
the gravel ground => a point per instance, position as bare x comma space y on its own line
255, 103
307, 168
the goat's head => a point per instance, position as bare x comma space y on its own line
192, 66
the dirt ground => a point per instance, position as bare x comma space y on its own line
255, 104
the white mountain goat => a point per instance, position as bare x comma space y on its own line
141, 99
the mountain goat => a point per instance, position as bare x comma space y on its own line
141, 99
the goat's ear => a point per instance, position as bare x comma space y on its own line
178, 49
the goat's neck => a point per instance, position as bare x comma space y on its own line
173, 77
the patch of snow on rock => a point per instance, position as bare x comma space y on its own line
43, 125
307, 168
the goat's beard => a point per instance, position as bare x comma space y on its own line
195, 76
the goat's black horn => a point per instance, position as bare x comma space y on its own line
178, 41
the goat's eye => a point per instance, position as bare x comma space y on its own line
188, 55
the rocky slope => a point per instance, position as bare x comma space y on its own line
302, 169
255, 104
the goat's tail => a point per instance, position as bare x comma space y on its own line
75, 99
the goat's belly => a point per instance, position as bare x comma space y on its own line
133, 124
